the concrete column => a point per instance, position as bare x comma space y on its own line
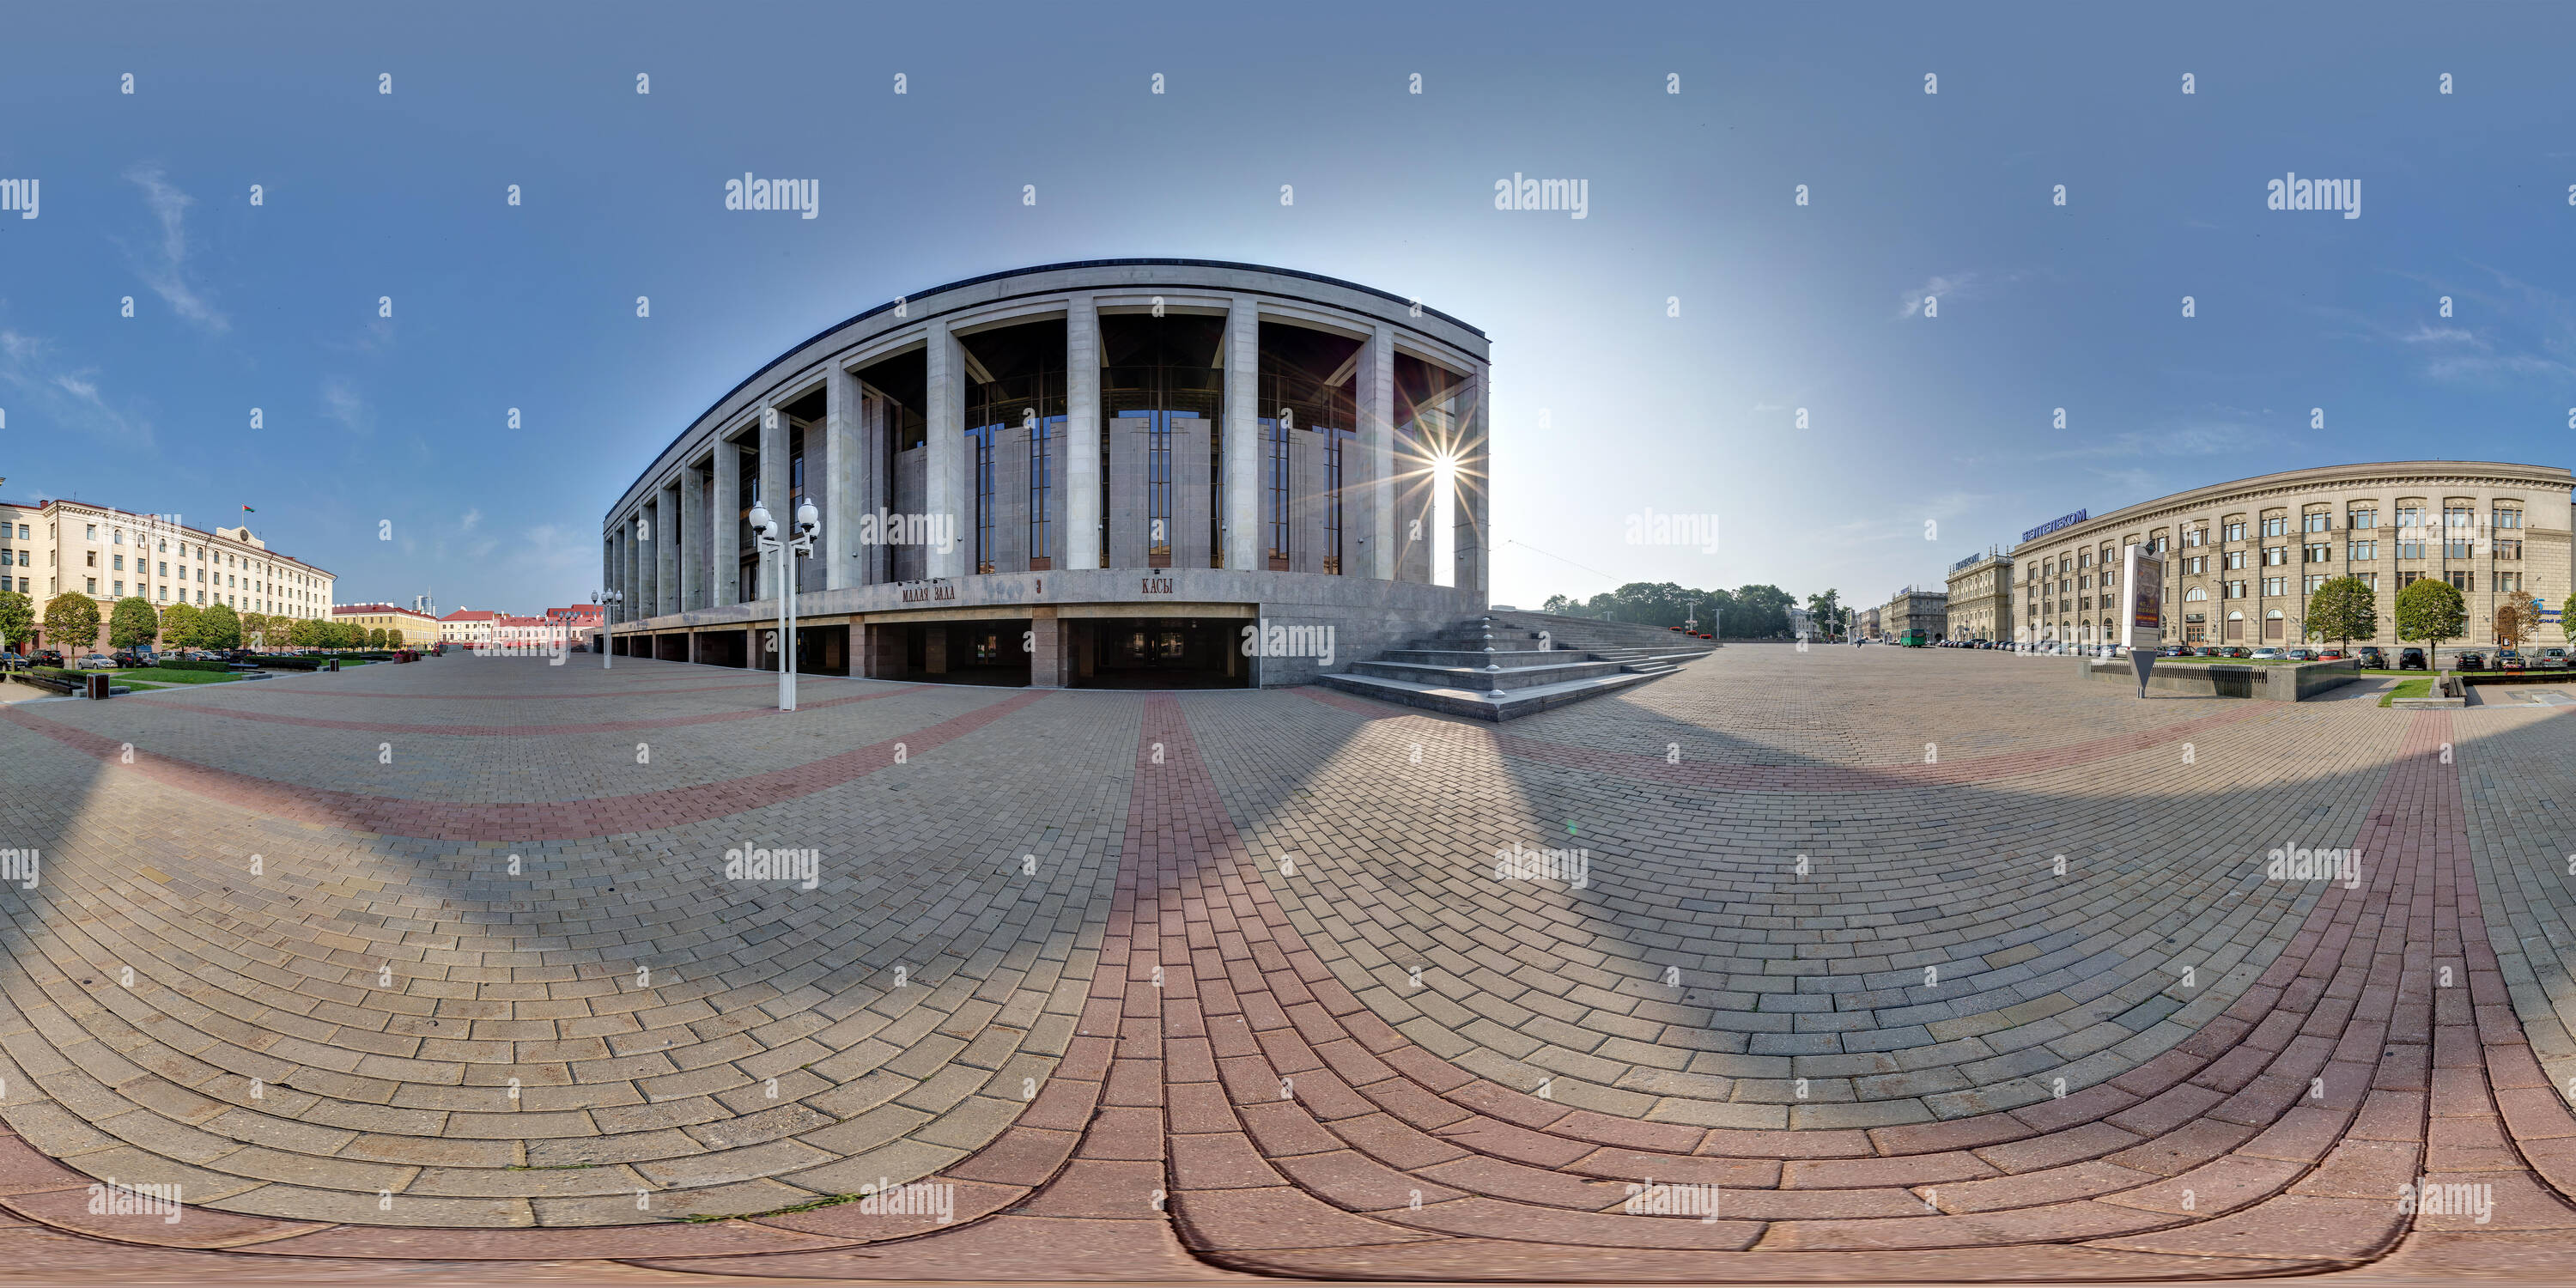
693, 540
773, 487
836, 545
724, 527
934, 651
667, 535
875, 485
945, 484
635, 603
1241, 508
1472, 535
1376, 466
1046, 650
1081, 445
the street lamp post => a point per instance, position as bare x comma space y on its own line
608, 601
766, 539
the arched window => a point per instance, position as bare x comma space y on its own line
2195, 595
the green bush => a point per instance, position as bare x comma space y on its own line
192, 664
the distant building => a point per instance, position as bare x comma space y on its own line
470, 627
1981, 594
1910, 609
580, 619
1868, 623
412, 627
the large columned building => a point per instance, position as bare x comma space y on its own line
1090, 474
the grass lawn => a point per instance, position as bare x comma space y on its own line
160, 676
2420, 686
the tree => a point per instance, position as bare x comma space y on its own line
179, 626
2343, 608
71, 622
375, 637
304, 633
132, 624
2517, 618
17, 619
219, 627
254, 627
2567, 619
2430, 609
1827, 611
1556, 604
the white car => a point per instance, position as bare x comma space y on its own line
94, 662
2268, 655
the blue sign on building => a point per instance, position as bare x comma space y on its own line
2056, 523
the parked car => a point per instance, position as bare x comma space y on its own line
49, 657
2410, 659
2509, 660
2470, 661
132, 659
2331, 655
2268, 654
2553, 659
2373, 659
94, 662
2238, 651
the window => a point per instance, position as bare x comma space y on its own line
2456, 516
2273, 586
93, 531
1041, 491
2084, 582
2362, 517
2084, 560
91, 557
2503, 519
2308, 584
2406, 579
1275, 433
92, 587
2195, 595
2277, 526
2318, 522
2410, 516
2463, 581
120, 590
165, 568
2319, 553
2236, 530
2407, 549
2361, 551
2233, 560
2195, 537
2457, 543
2508, 582
2275, 556
2235, 590
2195, 564
1332, 501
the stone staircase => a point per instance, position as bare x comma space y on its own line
1502, 667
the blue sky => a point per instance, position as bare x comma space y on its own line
1605, 405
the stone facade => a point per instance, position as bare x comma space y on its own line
1980, 604
1001, 418
1912, 609
2242, 557
63, 546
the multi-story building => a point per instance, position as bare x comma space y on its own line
1116, 473
1980, 601
2242, 558
577, 620
60, 546
1911, 609
1868, 623
413, 627
469, 627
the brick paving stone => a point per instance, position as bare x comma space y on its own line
1257, 998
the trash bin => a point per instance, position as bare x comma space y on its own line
335, 665
97, 684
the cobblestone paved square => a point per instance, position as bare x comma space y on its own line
1888, 964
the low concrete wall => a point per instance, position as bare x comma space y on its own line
2288, 683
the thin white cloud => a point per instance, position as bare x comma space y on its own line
340, 402
69, 397
164, 267
471, 518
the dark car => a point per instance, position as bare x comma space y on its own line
49, 657
2410, 659
2303, 655
2239, 650
2373, 659
128, 658
2471, 661
2509, 660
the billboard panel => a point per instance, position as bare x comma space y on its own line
2144, 576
